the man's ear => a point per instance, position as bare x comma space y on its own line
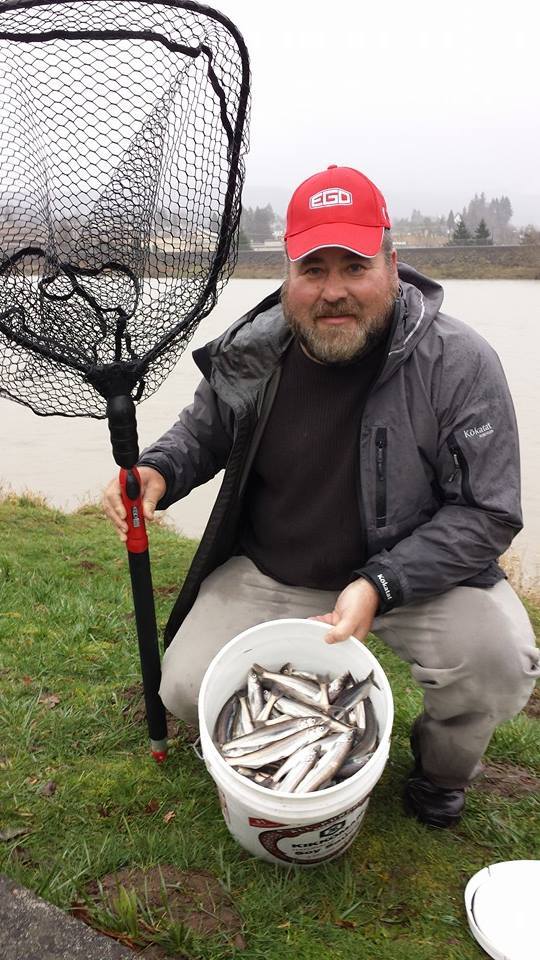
394, 261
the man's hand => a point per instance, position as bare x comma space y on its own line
354, 612
153, 488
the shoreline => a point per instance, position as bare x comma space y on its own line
521, 262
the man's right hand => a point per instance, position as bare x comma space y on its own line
153, 488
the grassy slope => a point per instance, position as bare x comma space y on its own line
66, 630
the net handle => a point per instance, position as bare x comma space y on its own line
123, 430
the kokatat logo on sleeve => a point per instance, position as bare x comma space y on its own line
478, 431
384, 583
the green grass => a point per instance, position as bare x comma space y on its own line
68, 652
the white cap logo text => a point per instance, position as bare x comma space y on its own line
332, 197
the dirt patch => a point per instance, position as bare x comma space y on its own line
158, 953
532, 709
87, 565
194, 898
507, 780
134, 702
20, 855
171, 591
135, 710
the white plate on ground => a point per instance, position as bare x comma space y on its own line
502, 903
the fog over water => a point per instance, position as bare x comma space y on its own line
69, 460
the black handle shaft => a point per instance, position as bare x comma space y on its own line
147, 635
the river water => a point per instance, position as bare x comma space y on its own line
69, 460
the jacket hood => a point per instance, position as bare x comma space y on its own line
249, 351
421, 299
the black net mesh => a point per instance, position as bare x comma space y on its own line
123, 127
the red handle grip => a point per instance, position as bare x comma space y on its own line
130, 487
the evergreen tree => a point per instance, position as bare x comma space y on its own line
461, 234
482, 234
262, 224
257, 224
476, 211
246, 222
451, 222
244, 243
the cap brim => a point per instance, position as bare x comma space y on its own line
364, 241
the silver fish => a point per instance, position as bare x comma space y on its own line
349, 697
299, 741
297, 709
290, 670
325, 768
337, 685
280, 717
292, 760
304, 690
368, 739
268, 707
329, 741
325, 702
266, 734
357, 716
247, 721
224, 722
350, 767
255, 694
281, 748
305, 759
237, 725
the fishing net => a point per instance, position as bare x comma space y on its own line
123, 127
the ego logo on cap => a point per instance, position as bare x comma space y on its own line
331, 197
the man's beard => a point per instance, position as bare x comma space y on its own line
341, 344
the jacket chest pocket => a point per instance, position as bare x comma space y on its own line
381, 453
399, 487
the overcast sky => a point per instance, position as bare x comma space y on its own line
433, 100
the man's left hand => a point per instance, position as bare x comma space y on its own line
354, 613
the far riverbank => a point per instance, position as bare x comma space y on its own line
445, 263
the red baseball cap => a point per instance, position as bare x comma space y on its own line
339, 207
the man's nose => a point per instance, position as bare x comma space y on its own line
335, 287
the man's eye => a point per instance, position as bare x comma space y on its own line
356, 267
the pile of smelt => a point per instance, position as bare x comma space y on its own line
295, 732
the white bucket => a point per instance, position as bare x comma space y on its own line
290, 828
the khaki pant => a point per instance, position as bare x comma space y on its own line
471, 650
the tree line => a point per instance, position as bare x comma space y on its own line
481, 222
259, 225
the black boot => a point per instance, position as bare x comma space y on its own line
432, 805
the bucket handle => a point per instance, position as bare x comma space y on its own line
196, 747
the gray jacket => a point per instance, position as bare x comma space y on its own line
439, 488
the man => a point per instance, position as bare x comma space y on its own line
371, 481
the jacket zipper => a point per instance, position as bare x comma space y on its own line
380, 496
461, 465
363, 527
